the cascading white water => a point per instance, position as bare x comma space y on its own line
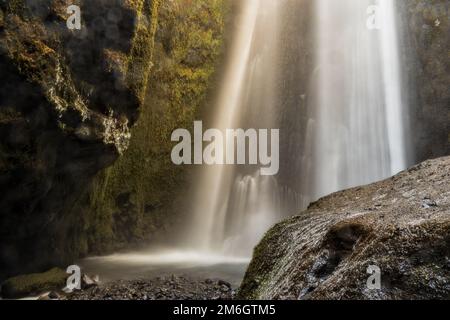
234, 206
396, 113
356, 128
355, 133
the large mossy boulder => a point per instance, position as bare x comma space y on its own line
31, 284
68, 101
400, 225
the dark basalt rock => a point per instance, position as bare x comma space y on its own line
324, 253
67, 102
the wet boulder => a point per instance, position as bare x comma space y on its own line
395, 232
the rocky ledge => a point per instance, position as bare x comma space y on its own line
400, 225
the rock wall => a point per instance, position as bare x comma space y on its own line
426, 47
68, 100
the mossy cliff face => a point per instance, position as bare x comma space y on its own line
68, 101
136, 199
400, 225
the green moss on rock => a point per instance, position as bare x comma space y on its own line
27, 285
136, 198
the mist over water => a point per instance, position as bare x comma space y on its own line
158, 262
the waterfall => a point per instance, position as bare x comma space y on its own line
356, 116
234, 206
355, 128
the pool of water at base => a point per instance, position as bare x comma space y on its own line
166, 262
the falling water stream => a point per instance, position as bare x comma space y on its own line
354, 131
234, 206
356, 128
